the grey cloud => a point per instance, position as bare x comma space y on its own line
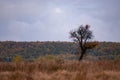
25, 20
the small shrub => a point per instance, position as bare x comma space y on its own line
118, 57
17, 58
50, 57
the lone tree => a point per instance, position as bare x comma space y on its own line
83, 36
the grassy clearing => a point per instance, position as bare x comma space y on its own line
57, 69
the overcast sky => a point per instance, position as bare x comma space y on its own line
51, 20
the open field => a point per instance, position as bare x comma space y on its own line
60, 70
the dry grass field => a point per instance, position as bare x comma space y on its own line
60, 70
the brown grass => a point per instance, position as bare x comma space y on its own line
60, 70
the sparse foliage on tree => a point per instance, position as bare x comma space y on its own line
83, 36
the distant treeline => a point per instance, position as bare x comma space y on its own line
30, 50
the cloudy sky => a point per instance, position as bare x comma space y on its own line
51, 20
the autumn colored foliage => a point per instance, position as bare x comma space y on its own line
31, 50
91, 45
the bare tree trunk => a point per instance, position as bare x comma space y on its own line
82, 54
